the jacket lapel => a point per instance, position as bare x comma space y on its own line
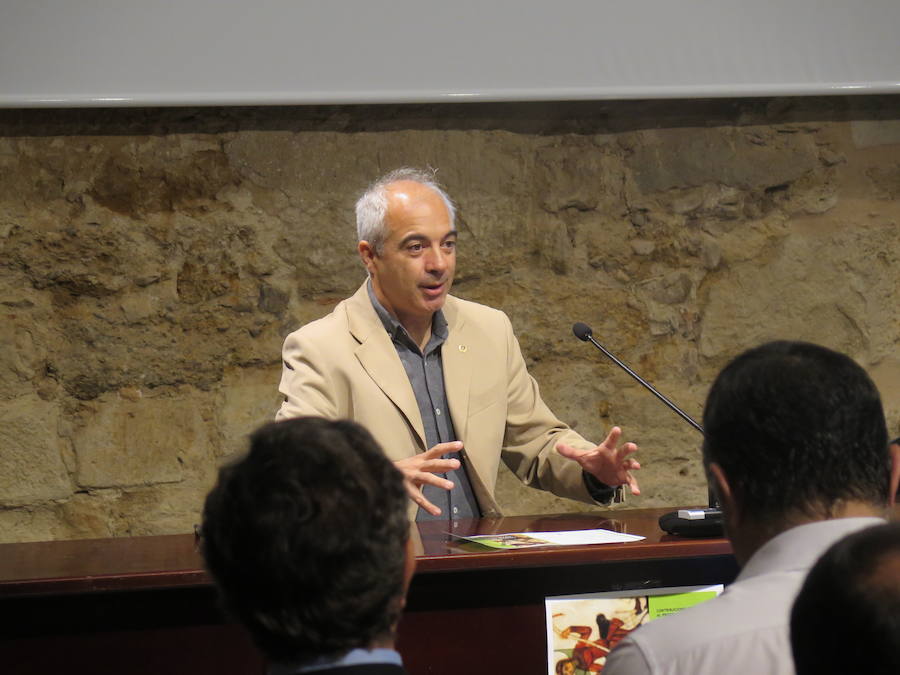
457, 368
457, 355
378, 357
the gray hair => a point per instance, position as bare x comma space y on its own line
371, 208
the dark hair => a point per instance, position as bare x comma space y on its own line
305, 538
852, 595
797, 428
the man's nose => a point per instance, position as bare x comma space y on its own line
436, 260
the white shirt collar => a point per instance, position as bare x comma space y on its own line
799, 547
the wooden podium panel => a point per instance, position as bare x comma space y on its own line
483, 611
144, 604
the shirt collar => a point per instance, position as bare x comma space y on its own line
799, 547
354, 657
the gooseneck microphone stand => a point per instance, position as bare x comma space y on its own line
705, 522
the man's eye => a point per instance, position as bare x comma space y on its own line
449, 245
414, 248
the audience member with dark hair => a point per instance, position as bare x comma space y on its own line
796, 449
846, 618
307, 540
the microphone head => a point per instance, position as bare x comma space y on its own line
582, 331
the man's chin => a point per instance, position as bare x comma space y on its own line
435, 304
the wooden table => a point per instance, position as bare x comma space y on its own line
144, 604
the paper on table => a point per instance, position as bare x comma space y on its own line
516, 540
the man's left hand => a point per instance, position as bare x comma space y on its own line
607, 463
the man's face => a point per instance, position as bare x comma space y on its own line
414, 271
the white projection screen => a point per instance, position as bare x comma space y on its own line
73, 53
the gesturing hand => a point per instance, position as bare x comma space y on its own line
607, 462
420, 470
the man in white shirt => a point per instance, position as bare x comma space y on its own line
796, 448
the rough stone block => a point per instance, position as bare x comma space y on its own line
163, 509
38, 523
131, 512
679, 158
248, 399
126, 442
31, 465
19, 357
869, 133
822, 277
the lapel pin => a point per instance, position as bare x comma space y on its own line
463, 348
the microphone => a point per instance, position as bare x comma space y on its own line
584, 333
685, 522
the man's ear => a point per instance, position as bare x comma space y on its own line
724, 493
409, 569
895, 473
366, 254
409, 565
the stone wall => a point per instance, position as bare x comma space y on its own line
151, 262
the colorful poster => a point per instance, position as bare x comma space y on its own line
583, 629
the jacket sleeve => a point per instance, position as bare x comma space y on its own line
305, 382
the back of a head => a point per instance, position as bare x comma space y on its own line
798, 430
305, 537
846, 618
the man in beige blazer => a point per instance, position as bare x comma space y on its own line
348, 365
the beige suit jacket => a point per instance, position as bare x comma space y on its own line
345, 366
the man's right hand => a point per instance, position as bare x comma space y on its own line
420, 470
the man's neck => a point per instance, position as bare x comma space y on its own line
748, 536
417, 327
420, 334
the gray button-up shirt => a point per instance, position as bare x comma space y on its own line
425, 371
